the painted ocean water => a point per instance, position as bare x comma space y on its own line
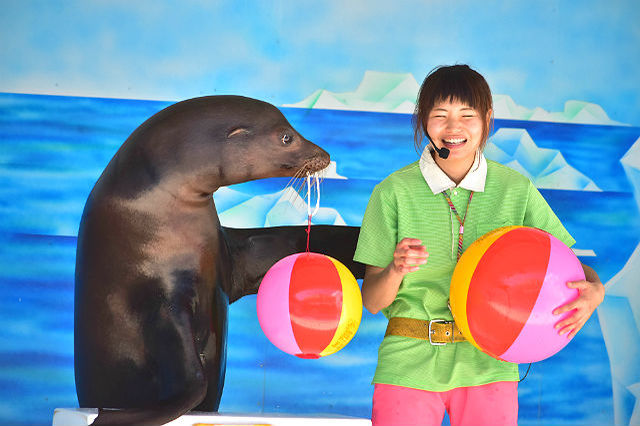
53, 151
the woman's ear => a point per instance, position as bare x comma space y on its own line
489, 114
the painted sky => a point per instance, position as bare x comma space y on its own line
541, 54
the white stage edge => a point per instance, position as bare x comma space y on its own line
84, 417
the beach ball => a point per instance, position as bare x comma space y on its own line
309, 305
505, 288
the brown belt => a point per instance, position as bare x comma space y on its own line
437, 332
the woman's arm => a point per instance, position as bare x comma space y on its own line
380, 285
591, 294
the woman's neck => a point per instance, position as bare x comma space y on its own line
456, 170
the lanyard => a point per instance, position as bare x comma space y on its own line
461, 221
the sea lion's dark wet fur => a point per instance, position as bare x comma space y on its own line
154, 270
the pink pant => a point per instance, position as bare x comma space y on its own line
492, 404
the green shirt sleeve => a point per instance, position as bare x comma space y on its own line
538, 214
379, 230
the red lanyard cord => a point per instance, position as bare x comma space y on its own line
461, 221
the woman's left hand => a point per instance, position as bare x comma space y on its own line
591, 294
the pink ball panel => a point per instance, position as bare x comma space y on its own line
539, 339
273, 305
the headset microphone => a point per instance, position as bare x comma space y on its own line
442, 152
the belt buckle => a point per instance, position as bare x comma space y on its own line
441, 321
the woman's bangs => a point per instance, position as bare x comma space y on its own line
457, 90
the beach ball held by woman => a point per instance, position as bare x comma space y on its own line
309, 305
505, 288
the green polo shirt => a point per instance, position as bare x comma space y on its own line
403, 206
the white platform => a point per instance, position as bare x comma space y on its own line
84, 417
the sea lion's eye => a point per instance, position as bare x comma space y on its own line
287, 139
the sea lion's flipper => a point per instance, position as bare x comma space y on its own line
254, 250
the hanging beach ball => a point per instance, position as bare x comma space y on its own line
309, 305
505, 288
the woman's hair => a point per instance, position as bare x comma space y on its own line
452, 83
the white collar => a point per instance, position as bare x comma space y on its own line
438, 181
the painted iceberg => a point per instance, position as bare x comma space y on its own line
331, 172
631, 164
397, 92
547, 168
619, 317
579, 112
378, 91
281, 208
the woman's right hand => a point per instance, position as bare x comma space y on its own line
380, 285
408, 256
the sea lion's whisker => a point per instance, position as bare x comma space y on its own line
297, 199
299, 189
295, 184
291, 190
293, 178
298, 196
291, 182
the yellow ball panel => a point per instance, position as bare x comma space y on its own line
351, 314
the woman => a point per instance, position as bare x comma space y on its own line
417, 223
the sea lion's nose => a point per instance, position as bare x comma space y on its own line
320, 160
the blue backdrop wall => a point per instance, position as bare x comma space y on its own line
77, 77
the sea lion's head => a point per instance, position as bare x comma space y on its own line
270, 146
209, 142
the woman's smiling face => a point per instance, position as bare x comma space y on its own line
458, 127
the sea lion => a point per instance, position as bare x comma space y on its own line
154, 270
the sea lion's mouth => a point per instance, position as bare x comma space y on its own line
309, 167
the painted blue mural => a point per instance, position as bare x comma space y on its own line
62, 144
74, 77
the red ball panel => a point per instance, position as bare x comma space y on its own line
505, 286
315, 302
